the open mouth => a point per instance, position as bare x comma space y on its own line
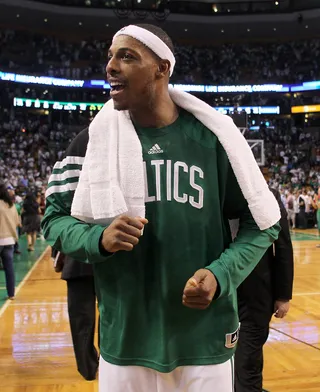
116, 88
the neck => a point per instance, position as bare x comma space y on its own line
157, 113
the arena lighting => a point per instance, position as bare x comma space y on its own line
56, 105
305, 109
41, 80
249, 109
94, 106
102, 84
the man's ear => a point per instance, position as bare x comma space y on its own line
163, 68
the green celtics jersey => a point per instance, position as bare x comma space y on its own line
191, 193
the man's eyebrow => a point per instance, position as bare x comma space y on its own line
124, 50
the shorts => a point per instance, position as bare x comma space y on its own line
209, 378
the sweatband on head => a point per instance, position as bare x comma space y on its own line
149, 39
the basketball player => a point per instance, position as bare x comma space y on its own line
167, 299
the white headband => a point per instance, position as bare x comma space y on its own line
151, 41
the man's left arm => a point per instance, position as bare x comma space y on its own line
239, 259
223, 276
284, 267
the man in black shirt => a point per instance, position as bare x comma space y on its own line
266, 291
82, 314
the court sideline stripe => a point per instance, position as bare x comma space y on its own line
304, 294
304, 234
8, 301
296, 339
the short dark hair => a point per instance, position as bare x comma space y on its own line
4, 195
159, 33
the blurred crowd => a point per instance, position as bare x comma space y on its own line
292, 166
289, 62
31, 147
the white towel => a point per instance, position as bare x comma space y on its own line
112, 178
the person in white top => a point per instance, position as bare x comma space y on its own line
9, 221
290, 209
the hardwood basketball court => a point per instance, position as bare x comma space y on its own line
36, 352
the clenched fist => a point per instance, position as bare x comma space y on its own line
123, 233
200, 290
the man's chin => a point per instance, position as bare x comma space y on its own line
119, 105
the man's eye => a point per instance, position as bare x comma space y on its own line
127, 56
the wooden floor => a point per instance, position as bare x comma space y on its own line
36, 352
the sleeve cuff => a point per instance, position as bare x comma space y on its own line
222, 278
95, 251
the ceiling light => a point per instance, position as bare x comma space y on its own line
80, 23
248, 30
222, 31
215, 8
276, 3
46, 20
185, 29
274, 29
107, 25
307, 26
18, 16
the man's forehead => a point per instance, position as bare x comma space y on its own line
125, 41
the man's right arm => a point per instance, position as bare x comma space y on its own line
67, 234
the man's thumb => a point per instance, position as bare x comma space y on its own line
191, 283
200, 275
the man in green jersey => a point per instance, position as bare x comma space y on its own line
167, 298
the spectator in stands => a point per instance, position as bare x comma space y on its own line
9, 221
286, 62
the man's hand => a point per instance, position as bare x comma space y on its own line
123, 233
200, 290
281, 308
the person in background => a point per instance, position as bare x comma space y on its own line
316, 206
266, 291
42, 206
290, 209
82, 315
303, 206
9, 221
13, 197
296, 195
30, 219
